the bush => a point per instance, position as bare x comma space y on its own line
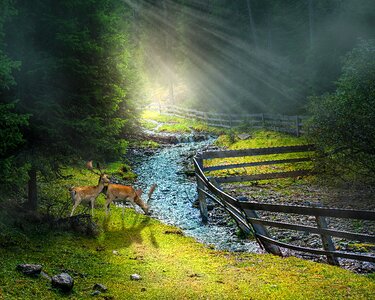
342, 123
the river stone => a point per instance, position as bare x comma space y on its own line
63, 281
95, 293
100, 287
243, 136
29, 269
135, 277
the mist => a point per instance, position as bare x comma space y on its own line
253, 56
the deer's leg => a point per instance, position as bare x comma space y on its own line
74, 207
92, 207
107, 204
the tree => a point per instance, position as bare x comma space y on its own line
76, 81
11, 123
343, 121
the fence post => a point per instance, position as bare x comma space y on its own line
261, 230
297, 125
327, 242
201, 195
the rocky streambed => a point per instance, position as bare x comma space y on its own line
173, 200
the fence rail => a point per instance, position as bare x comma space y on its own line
276, 122
244, 211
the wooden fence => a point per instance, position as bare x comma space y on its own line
276, 122
244, 211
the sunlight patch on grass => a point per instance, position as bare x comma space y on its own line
172, 267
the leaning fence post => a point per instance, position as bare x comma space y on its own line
261, 230
327, 242
200, 187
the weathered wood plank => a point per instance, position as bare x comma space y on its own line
241, 221
258, 163
360, 257
311, 211
200, 187
256, 151
310, 229
266, 176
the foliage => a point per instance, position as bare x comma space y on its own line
12, 173
76, 80
11, 122
342, 122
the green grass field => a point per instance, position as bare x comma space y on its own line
172, 266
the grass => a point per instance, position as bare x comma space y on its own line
173, 124
172, 267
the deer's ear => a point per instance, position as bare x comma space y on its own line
139, 192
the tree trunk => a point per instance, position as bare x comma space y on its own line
32, 201
252, 24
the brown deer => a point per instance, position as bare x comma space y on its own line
88, 194
123, 193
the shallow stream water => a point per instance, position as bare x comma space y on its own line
172, 201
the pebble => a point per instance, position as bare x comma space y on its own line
100, 287
135, 277
29, 269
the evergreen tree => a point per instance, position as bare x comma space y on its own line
76, 81
11, 123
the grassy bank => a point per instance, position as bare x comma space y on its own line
171, 124
172, 267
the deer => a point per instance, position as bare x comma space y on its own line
122, 193
88, 194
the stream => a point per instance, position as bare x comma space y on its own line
172, 201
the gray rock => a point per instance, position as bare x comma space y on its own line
29, 269
63, 281
95, 293
243, 136
135, 277
100, 287
45, 275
